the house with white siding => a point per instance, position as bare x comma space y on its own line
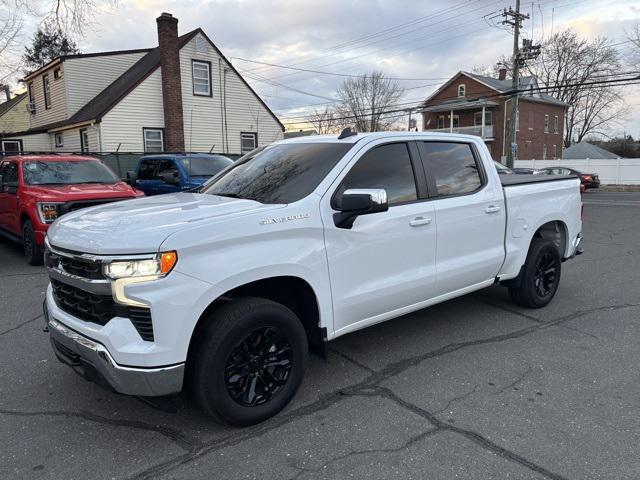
182, 95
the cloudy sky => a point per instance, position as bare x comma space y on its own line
423, 41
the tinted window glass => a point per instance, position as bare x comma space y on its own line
9, 172
453, 167
67, 172
167, 166
148, 170
388, 167
281, 173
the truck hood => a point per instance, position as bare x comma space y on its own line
141, 225
82, 191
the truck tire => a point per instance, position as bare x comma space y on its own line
249, 360
32, 251
540, 275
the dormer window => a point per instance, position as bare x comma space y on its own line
462, 90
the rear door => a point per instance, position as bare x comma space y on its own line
470, 215
386, 261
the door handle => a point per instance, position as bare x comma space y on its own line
492, 209
418, 221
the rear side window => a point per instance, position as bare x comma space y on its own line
453, 167
148, 170
388, 167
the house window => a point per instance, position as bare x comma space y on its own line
153, 139
456, 121
32, 102
47, 92
478, 118
462, 90
546, 123
84, 140
544, 151
555, 126
201, 78
10, 147
248, 141
57, 73
59, 139
440, 121
555, 152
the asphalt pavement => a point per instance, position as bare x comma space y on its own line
473, 388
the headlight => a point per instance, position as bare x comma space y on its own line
156, 267
48, 211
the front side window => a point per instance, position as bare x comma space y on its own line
248, 141
153, 140
453, 167
167, 167
546, 123
201, 78
148, 170
9, 172
478, 118
47, 92
67, 172
555, 124
388, 167
280, 173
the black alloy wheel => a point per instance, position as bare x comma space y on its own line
32, 251
545, 275
258, 367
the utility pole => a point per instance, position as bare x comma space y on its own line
514, 18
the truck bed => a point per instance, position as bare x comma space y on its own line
509, 179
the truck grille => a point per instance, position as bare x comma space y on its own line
72, 206
100, 308
82, 268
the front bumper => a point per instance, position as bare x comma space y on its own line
93, 361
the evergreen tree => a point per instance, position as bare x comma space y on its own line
47, 44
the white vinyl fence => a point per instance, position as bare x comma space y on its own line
621, 171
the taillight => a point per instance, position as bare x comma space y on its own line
582, 189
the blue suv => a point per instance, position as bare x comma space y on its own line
168, 173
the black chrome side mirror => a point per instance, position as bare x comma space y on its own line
132, 178
359, 201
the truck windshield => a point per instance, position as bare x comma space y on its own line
283, 173
67, 172
205, 166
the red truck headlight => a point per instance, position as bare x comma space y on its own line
48, 211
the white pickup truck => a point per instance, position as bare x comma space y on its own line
223, 291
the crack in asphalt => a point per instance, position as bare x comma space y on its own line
459, 398
352, 453
20, 325
370, 386
174, 435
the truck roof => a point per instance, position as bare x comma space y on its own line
375, 135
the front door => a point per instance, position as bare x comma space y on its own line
469, 212
9, 219
386, 261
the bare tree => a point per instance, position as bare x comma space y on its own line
634, 37
568, 66
10, 29
324, 121
494, 69
365, 101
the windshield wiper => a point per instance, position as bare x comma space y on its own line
230, 195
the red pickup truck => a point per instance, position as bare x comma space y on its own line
35, 190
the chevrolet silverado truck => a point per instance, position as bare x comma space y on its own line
223, 291
36, 189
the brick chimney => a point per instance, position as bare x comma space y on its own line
502, 73
171, 82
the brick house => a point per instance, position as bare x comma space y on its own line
461, 104
182, 95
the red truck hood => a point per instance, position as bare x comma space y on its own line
83, 191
